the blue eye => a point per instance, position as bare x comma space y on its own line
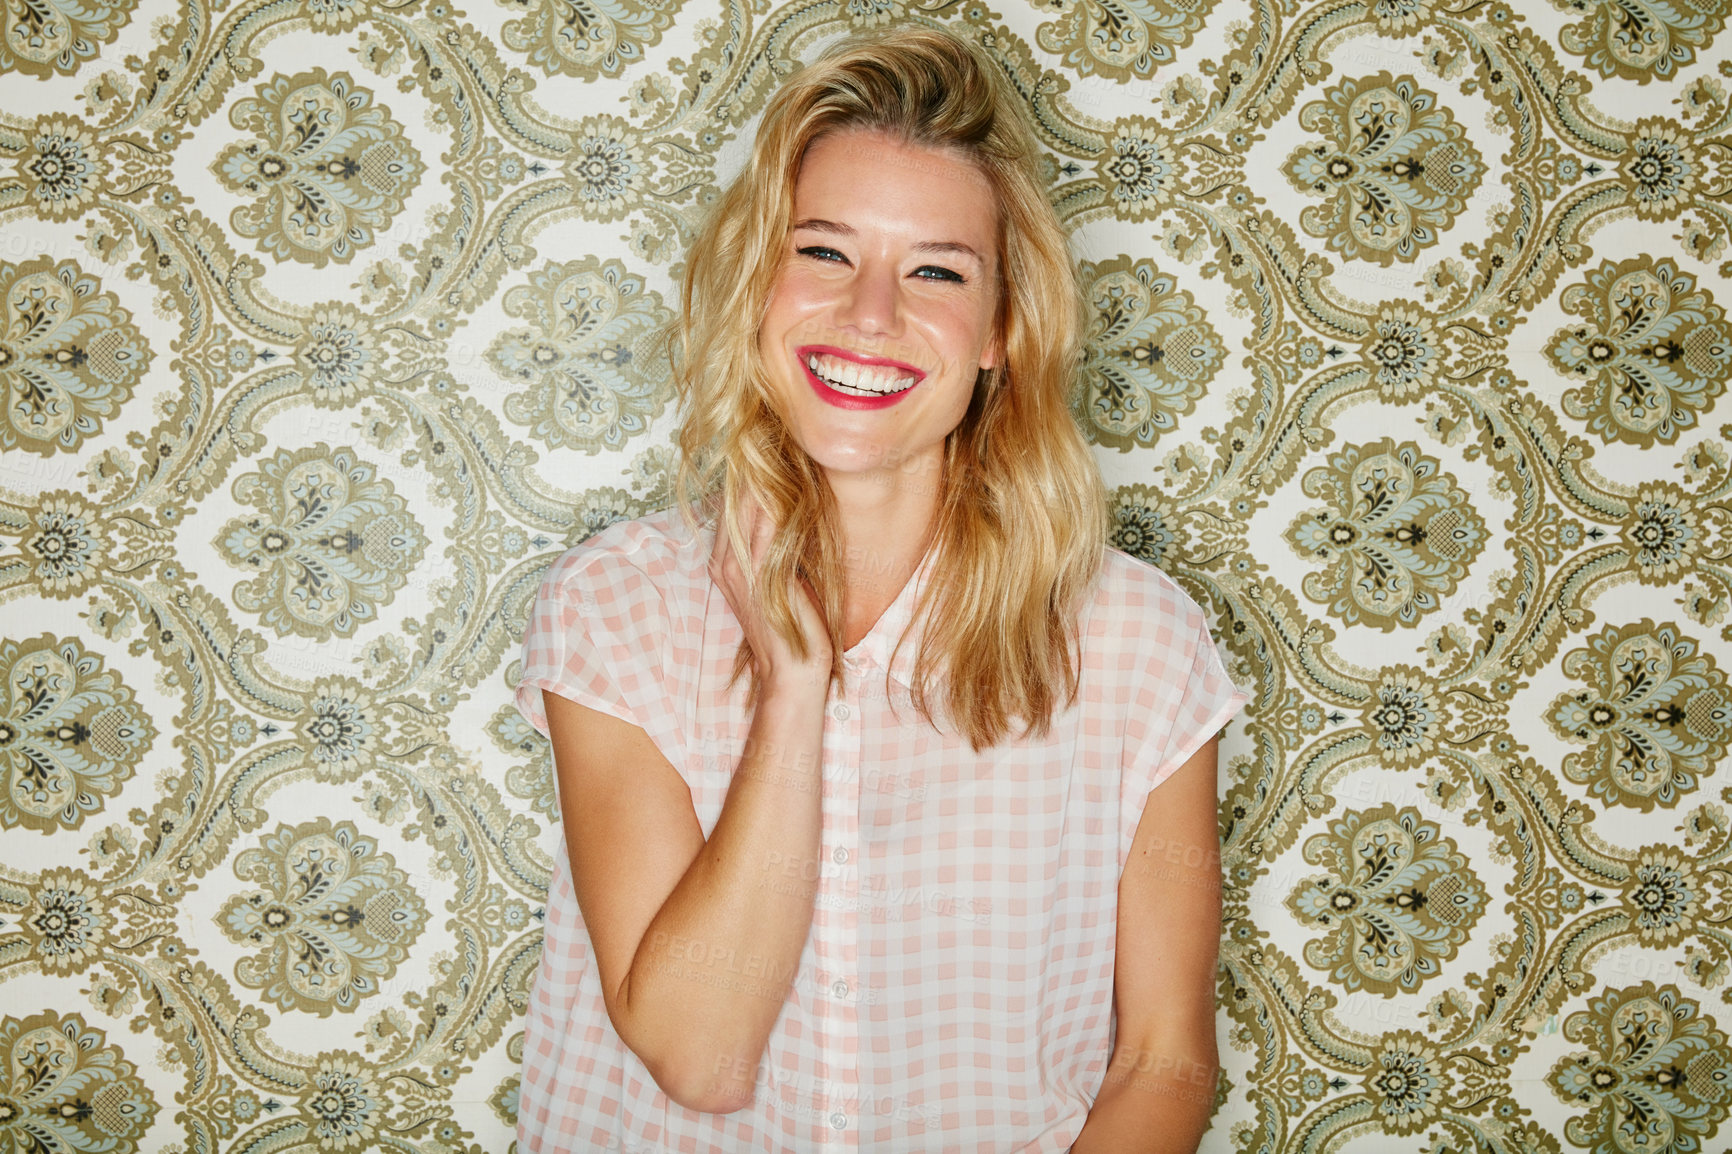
820, 252
943, 273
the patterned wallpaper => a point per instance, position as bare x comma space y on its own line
326, 325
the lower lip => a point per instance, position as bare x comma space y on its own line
849, 400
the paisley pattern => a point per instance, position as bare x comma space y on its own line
333, 916
69, 355
1151, 353
1399, 902
1665, 895
1640, 40
1121, 40
60, 167
62, 546
1145, 526
1406, 1084
1653, 1076
1138, 169
341, 1106
66, 1089
331, 543
587, 355
1407, 358
70, 733
322, 166
66, 922
530, 781
1398, 534
340, 355
1656, 715
1651, 354
1402, 352
607, 168
1395, 169
47, 39
1404, 716
585, 39
1661, 171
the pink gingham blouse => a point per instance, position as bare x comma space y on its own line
955, 992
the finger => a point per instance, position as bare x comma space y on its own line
759, 530
811, 598
725, 568
719, 547
728, 567
718, 551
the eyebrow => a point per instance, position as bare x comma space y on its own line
954, 247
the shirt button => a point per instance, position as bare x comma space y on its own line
840, 711
839, 855
839, 1120
840, 988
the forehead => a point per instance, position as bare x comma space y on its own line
867, 179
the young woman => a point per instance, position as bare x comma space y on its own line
854, 748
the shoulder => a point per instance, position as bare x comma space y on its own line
1152, 642
659, 552
1135, 601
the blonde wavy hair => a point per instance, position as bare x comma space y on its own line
1021, 524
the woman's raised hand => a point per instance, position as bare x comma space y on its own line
775, 662
647, 879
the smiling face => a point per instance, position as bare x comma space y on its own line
882, 312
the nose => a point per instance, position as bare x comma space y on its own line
872, 301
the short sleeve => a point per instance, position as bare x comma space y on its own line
594, 637
1184, 698
1206, 704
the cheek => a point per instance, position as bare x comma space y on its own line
780, 290
797, 289
956, 405
782, 319
968, 331
773, 309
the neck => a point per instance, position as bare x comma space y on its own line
888, 517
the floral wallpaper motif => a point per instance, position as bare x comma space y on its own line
71, 356
1398, 533
331, 543
1399, 900
325, 327
319, 165
1394, 169
333, 917
66, 1089
1653, 1077
70, 735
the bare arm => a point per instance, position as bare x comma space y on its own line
1159, 1088
697, 942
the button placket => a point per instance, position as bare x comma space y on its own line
839, 952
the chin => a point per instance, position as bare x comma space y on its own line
835, 457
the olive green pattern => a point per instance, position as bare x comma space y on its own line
326, 325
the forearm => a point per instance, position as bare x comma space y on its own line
714, 967
1150, 1103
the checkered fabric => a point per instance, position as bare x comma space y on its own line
955, 992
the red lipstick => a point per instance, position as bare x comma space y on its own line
849, 400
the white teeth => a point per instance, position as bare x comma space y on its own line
856, 379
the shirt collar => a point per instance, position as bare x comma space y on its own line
897, 622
